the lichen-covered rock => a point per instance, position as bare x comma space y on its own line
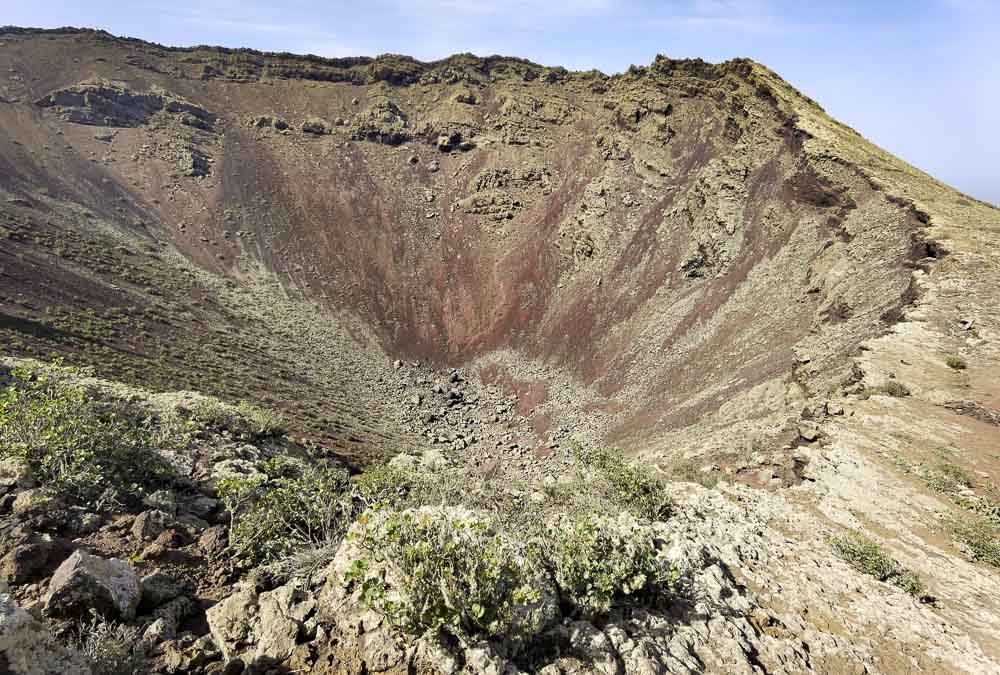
195, 163
168, 618
231, 623
283, 613
84, 582
265, 626
158, 588
113, 104
15, 474
383, 122
266, 122
30, 558
315, 126
27, 648
103, 103
148, 525
34, 503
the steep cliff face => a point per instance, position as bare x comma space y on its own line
659, 238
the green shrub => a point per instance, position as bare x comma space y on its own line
263, 422
388, 486
432, 570
289, 507
946, 477
889, 388
625, 485
977, 536
868, 557
597, 562
956, 363
79, 442
690, 471
243, 420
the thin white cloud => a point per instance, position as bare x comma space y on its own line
742, 16
237, 16
506, 7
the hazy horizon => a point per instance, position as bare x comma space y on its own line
920, 79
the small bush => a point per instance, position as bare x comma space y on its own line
111, 649
78, 442
977, 536
956, 363
387, 486
690, 471
890, 388
628, 486
427, 571
597, 562
867, 557
946, 477
287, 508
243, 420
263, 422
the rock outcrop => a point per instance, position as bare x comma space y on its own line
27, 647
112, 104
85, 582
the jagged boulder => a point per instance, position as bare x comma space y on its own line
84, 582
148, 525
383, 122
104, 104
27, 648
30, 558
315, 126
270, 625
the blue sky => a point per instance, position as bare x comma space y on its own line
919, 77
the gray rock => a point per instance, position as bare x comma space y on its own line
808, 431
164, 500
30, 559
231, 620
27, 648
151, 524
84, 582
159, 588
34, 503
214, 540
316, 126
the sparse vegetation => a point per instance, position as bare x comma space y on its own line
286, 508
868, 557
946, 477
977, 536
387, 486
242, 420
111, 648
892, 388
956, 363
78, 442
689, 470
